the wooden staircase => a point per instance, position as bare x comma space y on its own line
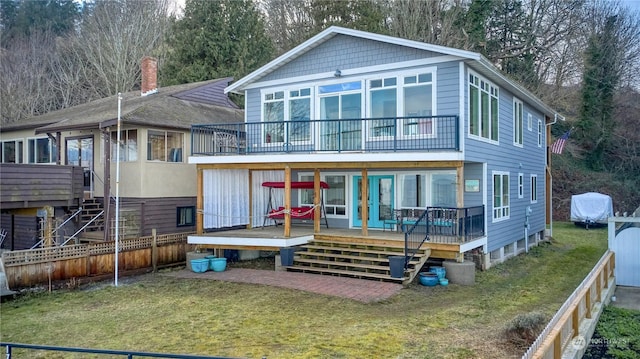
355, 259
90, 209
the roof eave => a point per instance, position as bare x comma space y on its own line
84, 126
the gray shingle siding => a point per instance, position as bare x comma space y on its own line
447, 88
506, 157
345, 52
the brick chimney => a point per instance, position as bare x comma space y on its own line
149, 67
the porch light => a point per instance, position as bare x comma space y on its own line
338, 73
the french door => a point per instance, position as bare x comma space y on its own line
379, 200
80, 153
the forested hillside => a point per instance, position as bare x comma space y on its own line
581, 57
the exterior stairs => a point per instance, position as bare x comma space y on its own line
353, 259
90, 209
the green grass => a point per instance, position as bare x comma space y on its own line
162, 314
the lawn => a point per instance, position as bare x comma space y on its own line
157, 313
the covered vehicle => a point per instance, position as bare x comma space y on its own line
591, 209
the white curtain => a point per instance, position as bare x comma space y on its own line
261, 195
226, 198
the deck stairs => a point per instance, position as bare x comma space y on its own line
90, 209
354, 259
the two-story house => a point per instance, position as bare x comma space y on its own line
157, 187
376, 136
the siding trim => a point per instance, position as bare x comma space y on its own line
352, 72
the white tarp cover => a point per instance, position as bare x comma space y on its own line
591, 207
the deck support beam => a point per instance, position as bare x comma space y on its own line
317, 210
287, 201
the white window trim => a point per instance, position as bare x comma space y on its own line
146, 144
497, 90
286, 113
518, 122
529, 122
323, 176
29, 149
19, 147
503, 206
540, 133
534, 188
520, 185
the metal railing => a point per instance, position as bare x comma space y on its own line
443, 225
128, 353
387, 134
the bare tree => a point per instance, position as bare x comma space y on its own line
288, 23
114, 36
24, 77
435, 21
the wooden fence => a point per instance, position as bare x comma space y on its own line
28, 268
563, 331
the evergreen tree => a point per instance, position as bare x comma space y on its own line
600, 79
365, 15
22, 18
216, 39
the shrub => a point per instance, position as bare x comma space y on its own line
525, 328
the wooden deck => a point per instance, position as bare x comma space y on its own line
272, 238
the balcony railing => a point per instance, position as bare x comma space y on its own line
389, 134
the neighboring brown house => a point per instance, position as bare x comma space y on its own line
156, 188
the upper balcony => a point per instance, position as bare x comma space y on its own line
391, 134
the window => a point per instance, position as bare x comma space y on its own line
11, 151
164, 146
334, 197
186, 216
42, 150
540, 133
128, 145
520, 185
412, 191
518, 122
534, 188
384, 107
273, 115
500, 196
483, 108
299, 115
297, 111
418, 104
529, 122
443, 190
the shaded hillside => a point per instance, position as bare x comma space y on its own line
621, 180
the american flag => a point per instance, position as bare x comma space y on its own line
558, 146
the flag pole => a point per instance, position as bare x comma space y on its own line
117, 234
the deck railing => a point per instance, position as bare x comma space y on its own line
388, 134
444, 225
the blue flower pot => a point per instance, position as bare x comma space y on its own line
428, 279
199, 265
210, 258
440, 271
219, 264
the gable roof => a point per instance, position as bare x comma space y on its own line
175, 107
475, 60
